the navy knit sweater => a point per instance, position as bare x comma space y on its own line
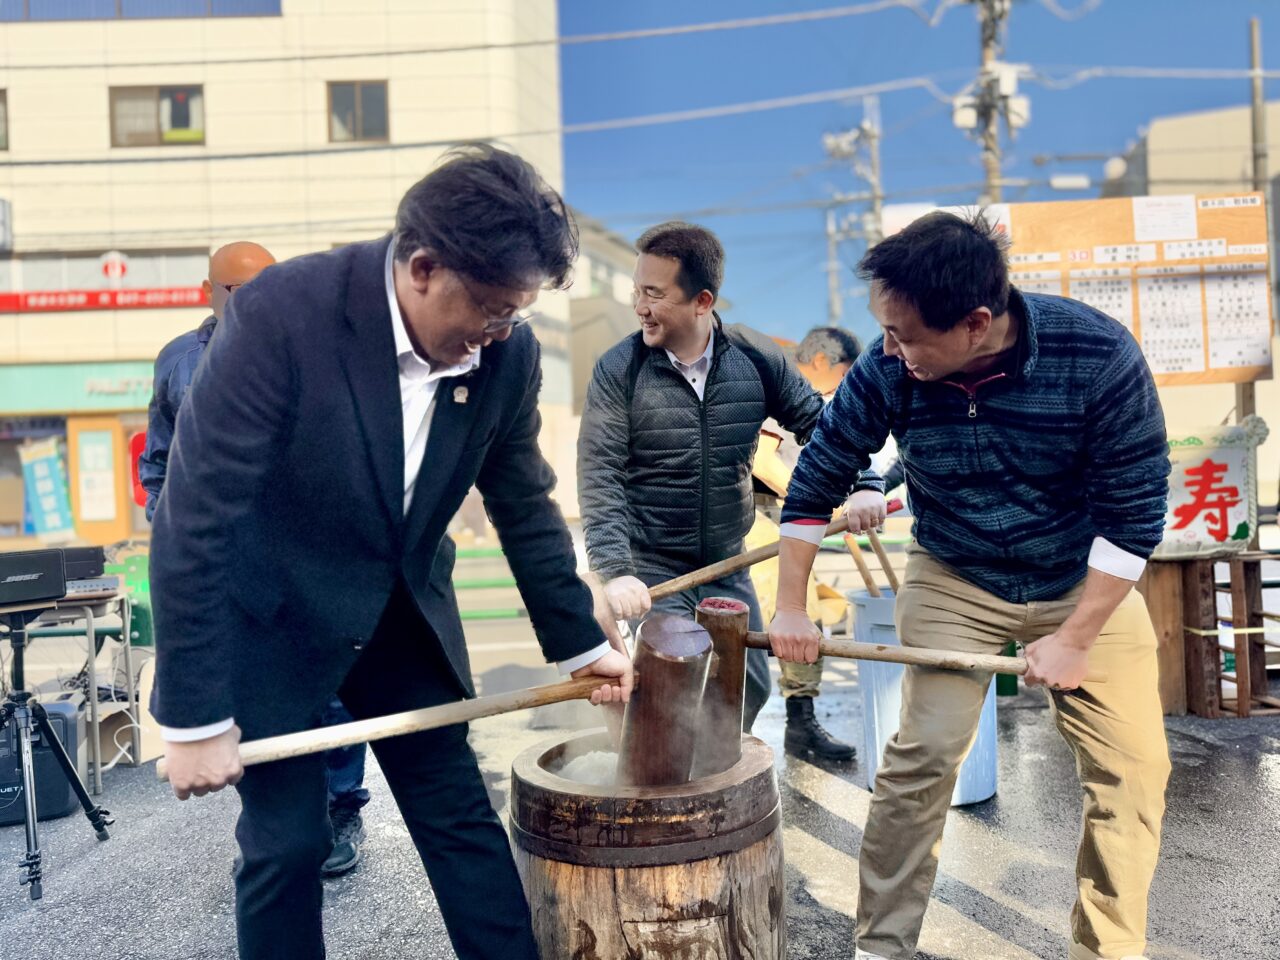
1009, 482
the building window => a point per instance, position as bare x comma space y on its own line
12, 11
601, 279
156, 116
358, 110
4, 120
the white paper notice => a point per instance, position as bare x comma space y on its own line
1195, 249
1038, 281
1239, 321
1171, 318
97, 476
1033, 258
1125, 253
1226, 203
1164, 218
1109, 289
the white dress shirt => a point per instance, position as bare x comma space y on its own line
696, 372
419, 381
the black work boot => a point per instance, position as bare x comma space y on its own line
348, 833
805, 738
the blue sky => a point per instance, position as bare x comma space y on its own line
774, 274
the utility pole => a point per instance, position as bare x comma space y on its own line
993, 96
835, 305
1246, 397
1246, 401
992, 15
1261, 175
870, 131
859, 145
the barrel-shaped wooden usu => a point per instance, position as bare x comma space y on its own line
686, 872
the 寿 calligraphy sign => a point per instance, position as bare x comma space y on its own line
1213, 498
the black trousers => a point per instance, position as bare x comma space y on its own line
283, 827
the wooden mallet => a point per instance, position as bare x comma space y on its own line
660, 726
410, 721
743, 560
917, 656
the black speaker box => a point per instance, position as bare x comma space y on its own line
84, 563
29, 576
54, 796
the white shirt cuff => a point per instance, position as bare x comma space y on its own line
1107, 557
190, 734
813, 533
581, 660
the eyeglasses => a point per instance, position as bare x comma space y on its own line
494, 323
230, 287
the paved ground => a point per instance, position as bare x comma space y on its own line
160, 888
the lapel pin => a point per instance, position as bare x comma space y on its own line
459, 394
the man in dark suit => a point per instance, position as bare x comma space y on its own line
344, 407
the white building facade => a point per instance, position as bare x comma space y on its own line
136, 136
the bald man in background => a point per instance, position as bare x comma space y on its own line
230, 267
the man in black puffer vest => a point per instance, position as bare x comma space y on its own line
668, 434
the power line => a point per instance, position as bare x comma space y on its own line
593, 126
1084, 74
899, 164
918, 7
819, 204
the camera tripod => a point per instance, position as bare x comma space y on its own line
28, 715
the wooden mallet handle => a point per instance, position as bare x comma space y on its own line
883, 557
411, 721
916, 656
715, 571
860, 562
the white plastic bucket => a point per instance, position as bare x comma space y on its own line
881, 685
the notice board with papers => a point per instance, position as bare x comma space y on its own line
1187, 275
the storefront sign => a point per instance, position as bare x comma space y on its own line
45, 480
1213, 492
62, 388
56, 301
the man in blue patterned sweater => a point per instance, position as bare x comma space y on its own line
1036, 462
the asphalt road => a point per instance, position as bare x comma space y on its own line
160, 888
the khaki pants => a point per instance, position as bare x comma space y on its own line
1115, 729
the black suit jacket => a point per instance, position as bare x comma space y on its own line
279, 536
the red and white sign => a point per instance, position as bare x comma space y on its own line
114, 264
55, 301
1213, 490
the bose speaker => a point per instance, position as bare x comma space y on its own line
31, 576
